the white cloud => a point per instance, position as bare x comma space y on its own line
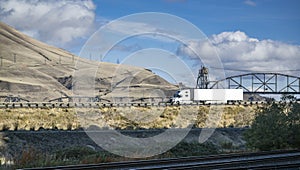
129, 27
55, 22
240, 52
143, 28
250, 2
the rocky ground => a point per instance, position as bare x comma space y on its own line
13, 143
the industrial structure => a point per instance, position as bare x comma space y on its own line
202, 80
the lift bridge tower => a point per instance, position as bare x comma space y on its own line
202, 80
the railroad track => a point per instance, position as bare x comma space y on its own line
258, 160
97, 105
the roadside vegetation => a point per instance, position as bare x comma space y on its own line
276, 126
37, 119
14, 119
84, 155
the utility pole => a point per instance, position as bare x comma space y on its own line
1, 61
59, 59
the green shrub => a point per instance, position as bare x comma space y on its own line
76, 153
276, 126
184, 149
227, 145
294, 126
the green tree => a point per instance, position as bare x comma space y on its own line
269, 129
288, 98
294, 125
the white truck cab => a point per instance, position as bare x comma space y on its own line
182, 97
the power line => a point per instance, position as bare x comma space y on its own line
242, 70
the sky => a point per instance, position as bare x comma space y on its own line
246, 35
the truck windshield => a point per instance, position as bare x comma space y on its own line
177, 94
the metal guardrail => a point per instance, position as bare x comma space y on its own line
45, 105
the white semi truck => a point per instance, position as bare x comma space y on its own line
188, 96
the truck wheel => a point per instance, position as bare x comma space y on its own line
178, 103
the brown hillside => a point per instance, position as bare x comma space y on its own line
36, 71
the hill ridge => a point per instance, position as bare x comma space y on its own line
39, 72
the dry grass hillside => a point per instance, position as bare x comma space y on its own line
38, 72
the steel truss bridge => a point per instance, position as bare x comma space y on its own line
261, 83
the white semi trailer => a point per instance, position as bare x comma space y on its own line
188, 96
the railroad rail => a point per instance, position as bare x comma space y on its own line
258, 160
46, 105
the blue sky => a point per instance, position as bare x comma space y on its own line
247, 35
263, 19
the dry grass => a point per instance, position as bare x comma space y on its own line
34, 119
126, 117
